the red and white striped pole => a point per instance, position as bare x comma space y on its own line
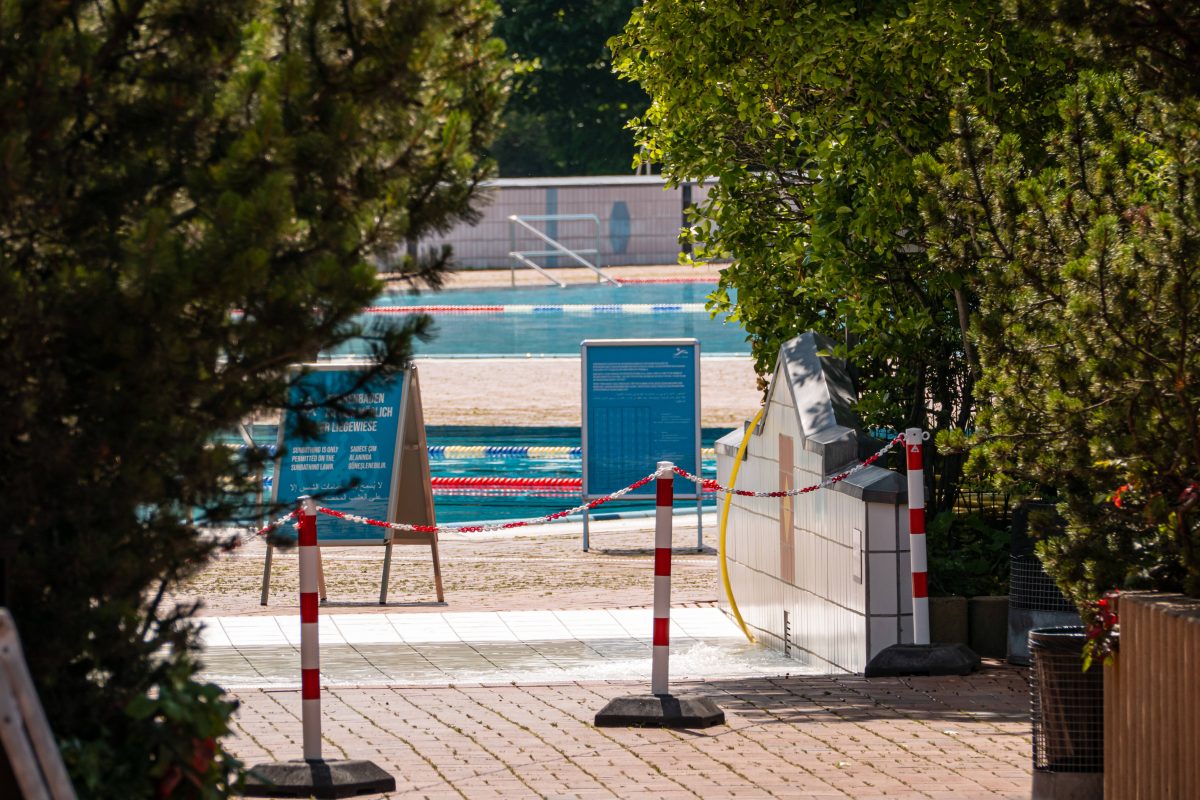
664, 500
310, 649
914, 446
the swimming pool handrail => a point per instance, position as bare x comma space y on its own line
521, 256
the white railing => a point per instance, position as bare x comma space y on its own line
525, 257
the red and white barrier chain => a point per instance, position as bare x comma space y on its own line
555, 517
706, 484
713, 486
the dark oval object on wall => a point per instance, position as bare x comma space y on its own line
619, 227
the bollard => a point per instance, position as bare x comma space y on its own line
919, 657
664, 501
310, 648
660, 708
914, 449
313, 776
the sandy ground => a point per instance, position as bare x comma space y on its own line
546, 391
546, 569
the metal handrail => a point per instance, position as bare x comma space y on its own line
522, 257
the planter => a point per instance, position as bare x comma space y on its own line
987, 620
948, 620
1068, 717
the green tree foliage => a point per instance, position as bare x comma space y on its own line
1160, 40
808, 116
1087, 257
192, 195
568, 113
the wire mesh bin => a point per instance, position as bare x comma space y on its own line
1067, 706
1030, 587
1034, 601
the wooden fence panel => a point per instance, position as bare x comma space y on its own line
1152, 701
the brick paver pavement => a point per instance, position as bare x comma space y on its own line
801, 737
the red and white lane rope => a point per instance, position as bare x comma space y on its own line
555, 517
668, 280
710, 485
563, 308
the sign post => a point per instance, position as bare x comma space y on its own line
641, 405
371, 462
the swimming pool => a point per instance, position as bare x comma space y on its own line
549, 321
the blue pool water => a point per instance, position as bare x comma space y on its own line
454, 507
559, 334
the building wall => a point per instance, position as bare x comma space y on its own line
639, 219
852, 594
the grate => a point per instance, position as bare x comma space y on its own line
1030, 587
787, 633
1067, 704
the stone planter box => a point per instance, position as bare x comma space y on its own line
948, 620
1152, 700
987, 623
981, 623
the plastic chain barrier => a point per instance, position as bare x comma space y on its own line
555, 517
711, 485
570, 308
706, 484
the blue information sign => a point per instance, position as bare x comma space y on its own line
359, 451
641, 405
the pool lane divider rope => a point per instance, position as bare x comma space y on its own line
569, 308
450, 451
668, 280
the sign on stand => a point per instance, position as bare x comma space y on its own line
373, 463
641, 405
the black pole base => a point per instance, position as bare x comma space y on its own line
320, 779
922, 659
660, 711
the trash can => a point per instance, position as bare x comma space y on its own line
1067, 706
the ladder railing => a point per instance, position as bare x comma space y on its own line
524, 257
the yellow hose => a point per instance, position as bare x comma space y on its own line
737, 463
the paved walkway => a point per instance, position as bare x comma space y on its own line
799, 737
